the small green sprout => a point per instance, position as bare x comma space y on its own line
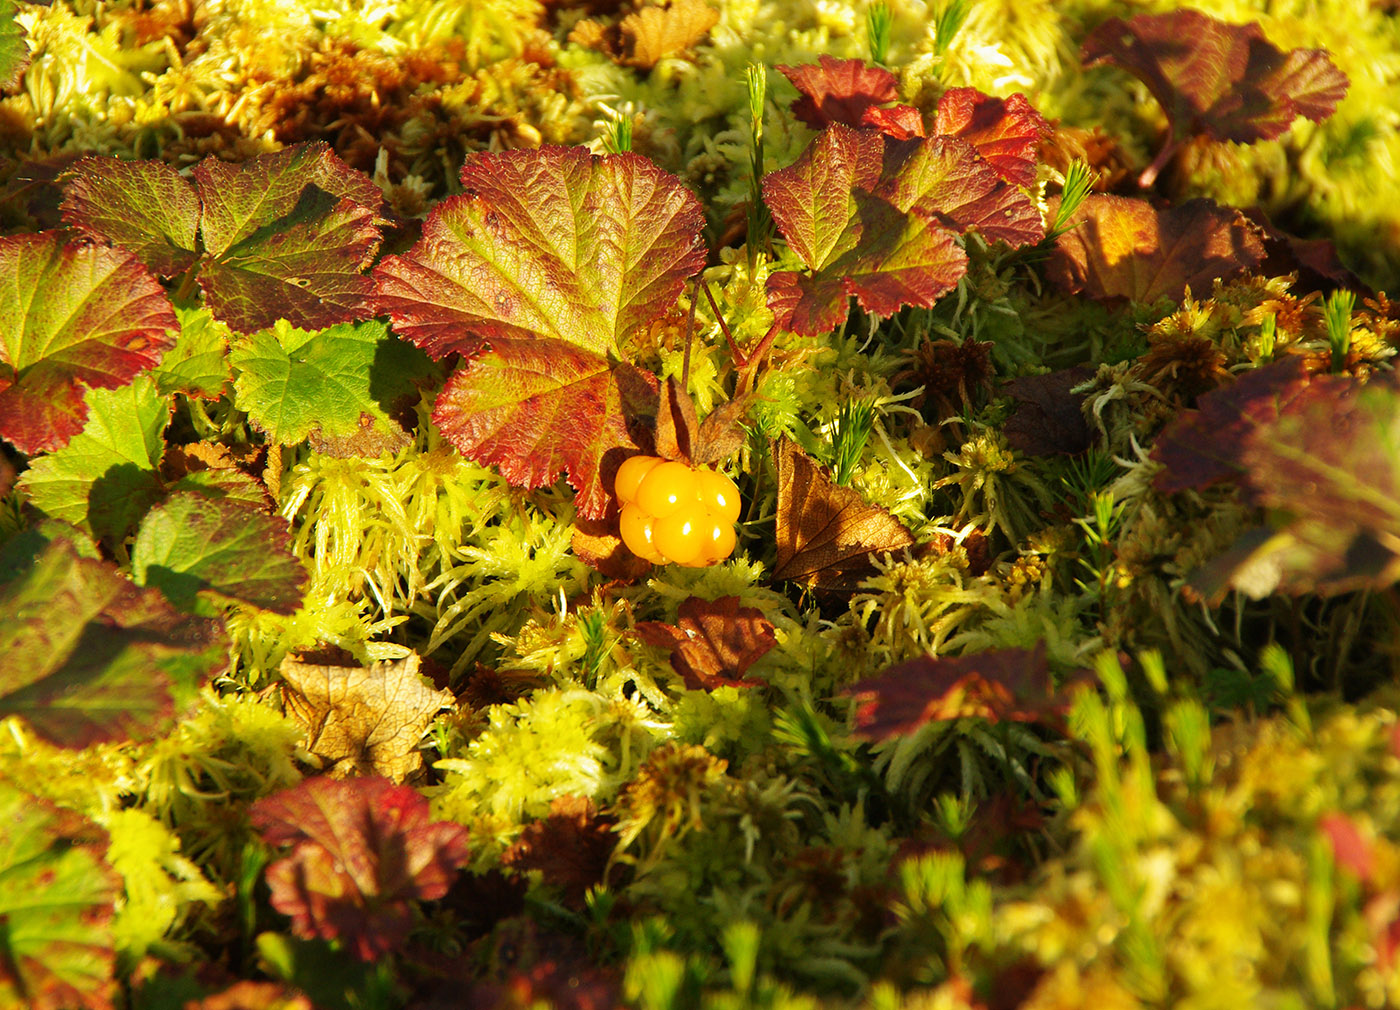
948, 22
760, 223
1079, 180
617, 138
854, 422
877, 30
1337, 315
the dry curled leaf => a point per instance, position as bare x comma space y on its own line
713, 642
826, 533
366, 721
570, 847
643, 39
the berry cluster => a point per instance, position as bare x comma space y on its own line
675, 512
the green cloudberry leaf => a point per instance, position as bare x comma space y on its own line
282, 235
85, 655
195, 546
144, 206
198, 364
14, 50
338, 385
556, 243
106, 478
56, 901
539, 408
71, 317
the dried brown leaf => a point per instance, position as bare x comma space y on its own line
826, 533
654, 33
713, 642
367, 721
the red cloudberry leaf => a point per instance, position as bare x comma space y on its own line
1206, 445
285, 235
1005, 131
555, 243
144, 206
839, 91
946, 180
898, 121
713, 642
362, 850
71, 316
538, 408
87, 656
1002, 685
825, 532
853, 242
56, 904
1119, 247
1216, 78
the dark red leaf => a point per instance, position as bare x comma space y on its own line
945, 179
826, 533
854, 243
1204, 446
1048, 420
144, 206
1217, 78
1002, 685
1118, 247
1005, 131
839, 91
363, 849
713, 642
539, 408
898, 121
71, 316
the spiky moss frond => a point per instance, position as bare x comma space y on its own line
1224, 857
555, 743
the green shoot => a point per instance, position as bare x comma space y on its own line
1268, 332
853, 425
760, 223
1079, 180
1337, 314
618, 137
877, 30
948, 22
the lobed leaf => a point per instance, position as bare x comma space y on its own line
56, 902
71, 317
825, 532
1119, 247
945, 179
363, 849
539, 408
1002, 685
105, 479
285, 235
1211, 77
14, 50
198, 363
853, 242
333, 385
653, 33
85, 655
1007, 132
839, 91
365, 721
713, 642
193, 546
555, 243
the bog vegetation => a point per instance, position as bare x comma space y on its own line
1045, 658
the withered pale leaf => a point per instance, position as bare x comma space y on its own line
365, 720
654, 33
826, 533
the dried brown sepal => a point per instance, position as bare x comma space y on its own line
570, 847
598, 544
677, 426
826, 533
713, 642
722, 433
